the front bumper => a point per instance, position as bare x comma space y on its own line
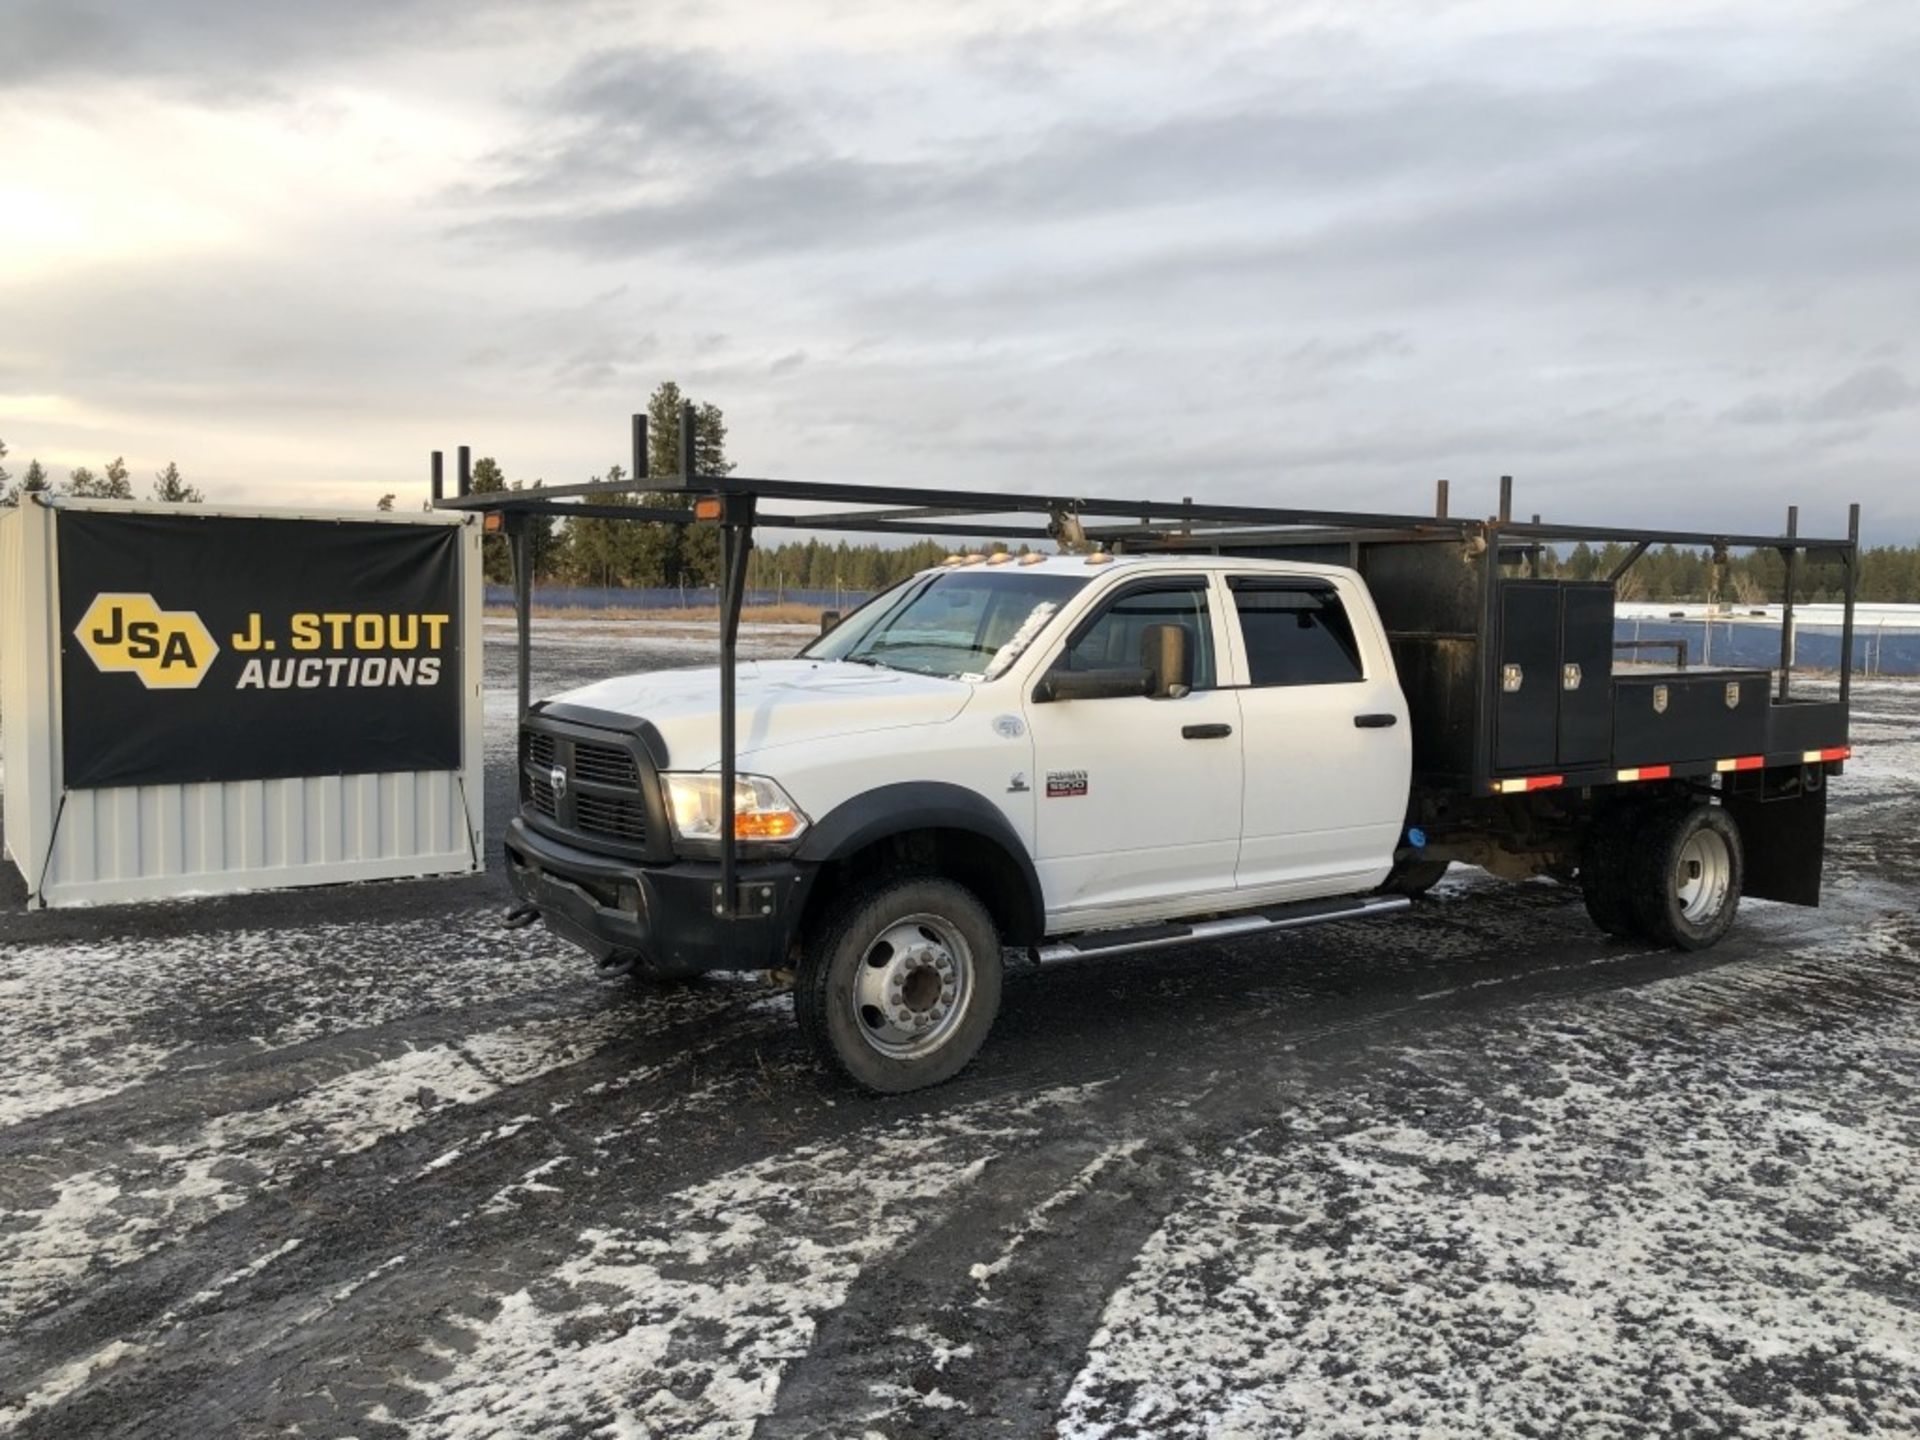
667, 915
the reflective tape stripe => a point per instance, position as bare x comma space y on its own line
1647, 772
1530, 782
1744, 762
1838, 752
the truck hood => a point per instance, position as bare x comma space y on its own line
780, 702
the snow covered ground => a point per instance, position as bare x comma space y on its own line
1823, 613
361, 1162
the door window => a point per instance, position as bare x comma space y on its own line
1112, 641
1296, 634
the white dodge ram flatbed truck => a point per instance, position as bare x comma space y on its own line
1076, 754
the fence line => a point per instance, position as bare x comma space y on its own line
667, 597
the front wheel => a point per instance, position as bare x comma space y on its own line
1685, 876
898, 990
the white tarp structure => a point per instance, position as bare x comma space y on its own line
78, 846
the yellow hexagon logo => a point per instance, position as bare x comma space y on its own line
130, 634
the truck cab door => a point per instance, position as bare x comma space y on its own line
1137, 800
1329, 752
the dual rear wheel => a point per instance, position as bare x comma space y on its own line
1671, 874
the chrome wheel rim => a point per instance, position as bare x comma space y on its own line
913, 987
1703, 876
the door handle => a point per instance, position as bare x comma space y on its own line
1206, 732
1376, 722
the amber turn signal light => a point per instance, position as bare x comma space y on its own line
765, 825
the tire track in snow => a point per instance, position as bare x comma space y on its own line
1609, 1233
682, 1321
105, 1218
985, 1318
239, 1181
41, 1150
287, 1345
90, 1020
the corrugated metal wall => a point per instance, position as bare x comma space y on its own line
153, 841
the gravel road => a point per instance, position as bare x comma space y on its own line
361, 1162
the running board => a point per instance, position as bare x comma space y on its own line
1231, 927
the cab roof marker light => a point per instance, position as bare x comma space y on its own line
999, 557
1032, 557
1100, 557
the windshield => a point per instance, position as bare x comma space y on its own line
968, 624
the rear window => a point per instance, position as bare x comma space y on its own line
1296, 634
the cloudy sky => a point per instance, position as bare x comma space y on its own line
1659, 259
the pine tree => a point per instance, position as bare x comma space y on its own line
35, 480
112, 484
682, 554
609, 552
170, 489
496, 556
490, 479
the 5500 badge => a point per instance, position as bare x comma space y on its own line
173, 649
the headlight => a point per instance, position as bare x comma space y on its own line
761, 809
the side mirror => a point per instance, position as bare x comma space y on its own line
828, 619
1167, 661
1091, 684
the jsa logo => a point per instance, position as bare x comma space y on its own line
130, 634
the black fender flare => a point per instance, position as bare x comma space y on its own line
875, 815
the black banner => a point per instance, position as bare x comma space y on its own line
207, 647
